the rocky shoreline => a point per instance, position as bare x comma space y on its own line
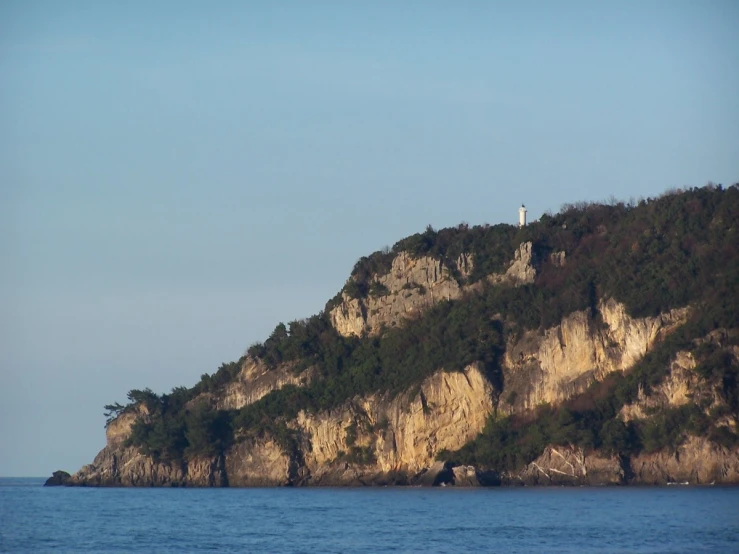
696, 462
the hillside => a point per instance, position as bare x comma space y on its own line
597, 345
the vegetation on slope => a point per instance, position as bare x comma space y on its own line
652, 256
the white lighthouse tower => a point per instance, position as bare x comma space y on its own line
522, 216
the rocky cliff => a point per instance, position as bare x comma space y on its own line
400, 436
380, 439
254, 381
696, 462
368, 440
415, 284
683, 385
557, 363
597, 346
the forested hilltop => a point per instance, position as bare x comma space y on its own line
589, 346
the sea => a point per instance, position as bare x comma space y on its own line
34, 518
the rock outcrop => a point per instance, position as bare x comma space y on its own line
697, 462
415, 284
254, 381
261, 463
400, 437
568, 465
682, 385
558, 363
125, 466
521, 270
412, 286
57, 479
403, 434
675, 390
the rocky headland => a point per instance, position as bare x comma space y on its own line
570, 358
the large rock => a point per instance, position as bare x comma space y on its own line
568, 465
440, 473
522, 269
58, 478
466, 476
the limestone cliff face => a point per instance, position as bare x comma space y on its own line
119, 429
569, 465
399, 437
682, 385
674, 391
697, 462
521, 270
260, 463
403, 434
415, 284
121, 465
117, 466
558, 363
250, 463
254, 381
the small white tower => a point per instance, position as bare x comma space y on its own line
522, 216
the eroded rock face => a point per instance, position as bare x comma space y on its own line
117, 466
414, 285
674, 391
558, 259
682, 386
697, 462
404, 433
560, 362
568, 465
119, 429
259, 463
522, 269
401, 436
256, 380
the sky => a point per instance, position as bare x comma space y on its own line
178, 177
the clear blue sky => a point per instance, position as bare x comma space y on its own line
177, 177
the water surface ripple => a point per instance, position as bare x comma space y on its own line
371, 520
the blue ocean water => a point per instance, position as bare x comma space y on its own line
639, 520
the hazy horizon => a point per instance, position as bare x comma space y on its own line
178, 178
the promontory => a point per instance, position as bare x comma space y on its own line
598, 345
